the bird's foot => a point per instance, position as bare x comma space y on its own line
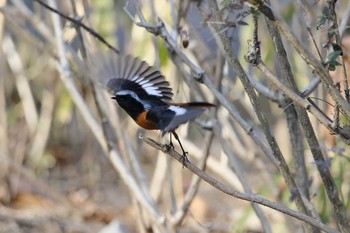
184, 159
169, 146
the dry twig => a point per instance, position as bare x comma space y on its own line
244, 196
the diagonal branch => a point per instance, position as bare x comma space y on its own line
225, 44
79, 24
310, 135
243, 196
303, 52
109, 150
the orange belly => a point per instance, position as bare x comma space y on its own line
144, 123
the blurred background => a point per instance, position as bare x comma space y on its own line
58, 175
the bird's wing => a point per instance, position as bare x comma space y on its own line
133, 74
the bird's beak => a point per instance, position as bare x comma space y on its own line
114, 97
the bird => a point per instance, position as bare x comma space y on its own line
145, 95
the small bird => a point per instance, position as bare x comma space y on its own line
142, 91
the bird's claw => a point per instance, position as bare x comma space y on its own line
184, 159
169, 146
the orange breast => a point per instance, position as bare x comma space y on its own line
144, 123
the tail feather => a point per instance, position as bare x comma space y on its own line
194, 104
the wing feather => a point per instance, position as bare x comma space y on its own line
143, 76
130, 73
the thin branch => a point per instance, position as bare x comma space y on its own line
306, 20
344, 24
294, 113
334, 27
311, 87
79, 24
243, 196
42, 133
225, 44
179, 216
22, 83
79, 31
304, 103
37, 23
335, 124
302, 51
3, 117
237, 167
196, 92
174, 19
4, 140
114, 157
274, 95
160, 30
324, 171
158, 177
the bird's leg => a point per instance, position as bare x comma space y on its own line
171, 142
169, 146
184, 153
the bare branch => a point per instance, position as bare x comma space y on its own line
303, 52
223, 40
65, 74
27, 99
79, 24
244, 196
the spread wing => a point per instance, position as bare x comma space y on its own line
130, 73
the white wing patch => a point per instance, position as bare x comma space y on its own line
153, 90
119, 67
147, 85
178, 110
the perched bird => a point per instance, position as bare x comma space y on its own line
142, 91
